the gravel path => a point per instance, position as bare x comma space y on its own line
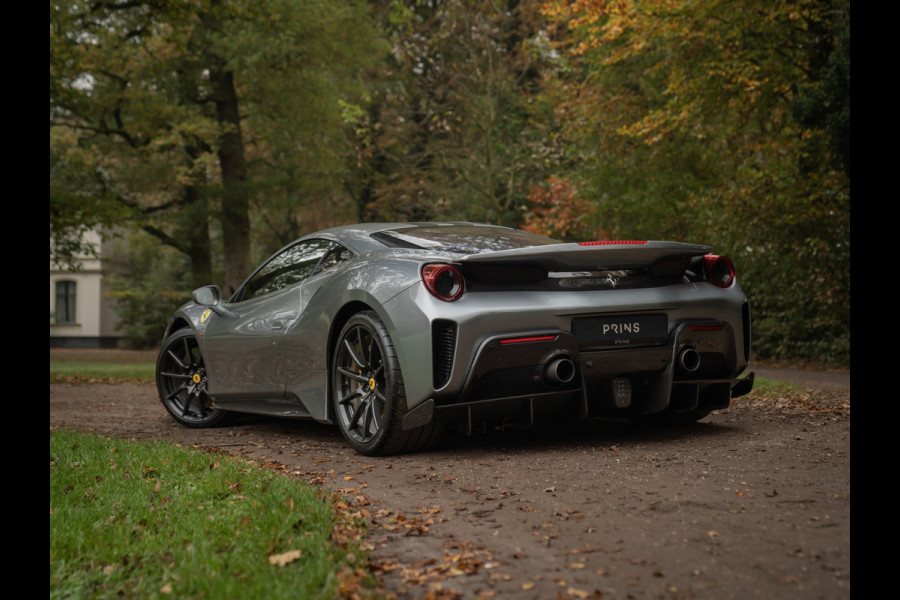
752, 502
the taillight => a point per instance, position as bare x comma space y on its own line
443, 281
719, 270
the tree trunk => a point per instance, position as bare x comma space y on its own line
235, 196
197, 236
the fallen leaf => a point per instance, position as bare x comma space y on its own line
285, 557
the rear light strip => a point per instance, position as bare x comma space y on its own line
613, 243
538, 338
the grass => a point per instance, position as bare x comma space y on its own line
102, 366
101, 372
152, 520
770, 387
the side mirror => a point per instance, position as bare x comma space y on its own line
209, 295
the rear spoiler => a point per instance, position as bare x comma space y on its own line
598, 256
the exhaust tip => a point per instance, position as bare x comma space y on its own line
689, 360
559, 370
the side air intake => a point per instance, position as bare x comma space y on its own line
443, 344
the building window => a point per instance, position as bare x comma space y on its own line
65, 301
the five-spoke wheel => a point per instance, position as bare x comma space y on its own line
181, 381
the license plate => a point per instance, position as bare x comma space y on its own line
621, 330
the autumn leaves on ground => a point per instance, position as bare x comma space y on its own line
753, 502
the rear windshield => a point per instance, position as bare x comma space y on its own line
465, 239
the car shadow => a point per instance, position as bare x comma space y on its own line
553, 435
592, 433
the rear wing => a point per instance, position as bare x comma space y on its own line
593, 256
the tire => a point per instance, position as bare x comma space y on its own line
181, 381
367, 391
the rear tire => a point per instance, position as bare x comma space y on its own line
367, 391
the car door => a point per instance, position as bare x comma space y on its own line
244, 351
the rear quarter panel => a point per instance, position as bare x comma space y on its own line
361, 284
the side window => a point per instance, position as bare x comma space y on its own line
336, 256
287, 268
65, 302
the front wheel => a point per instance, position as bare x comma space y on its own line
181, 380
367, 390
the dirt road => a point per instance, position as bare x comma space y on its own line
752, 502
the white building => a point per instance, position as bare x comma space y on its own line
81, 316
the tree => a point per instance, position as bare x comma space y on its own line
454, 124
700, 121
179, 103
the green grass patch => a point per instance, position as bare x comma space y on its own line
153, 520
770, 387
101, 372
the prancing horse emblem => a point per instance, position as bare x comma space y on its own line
611, 280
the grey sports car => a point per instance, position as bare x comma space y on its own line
393, 331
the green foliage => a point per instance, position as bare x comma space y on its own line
715, 122
196, 113
823, 101
148, 281
455, 128
123, 101
149, 520
721, 123
78, 205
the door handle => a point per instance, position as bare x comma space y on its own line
276, 324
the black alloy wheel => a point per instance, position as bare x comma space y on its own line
363, 382
368, 394
181, 379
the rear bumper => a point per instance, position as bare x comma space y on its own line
542, 373
454, 360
